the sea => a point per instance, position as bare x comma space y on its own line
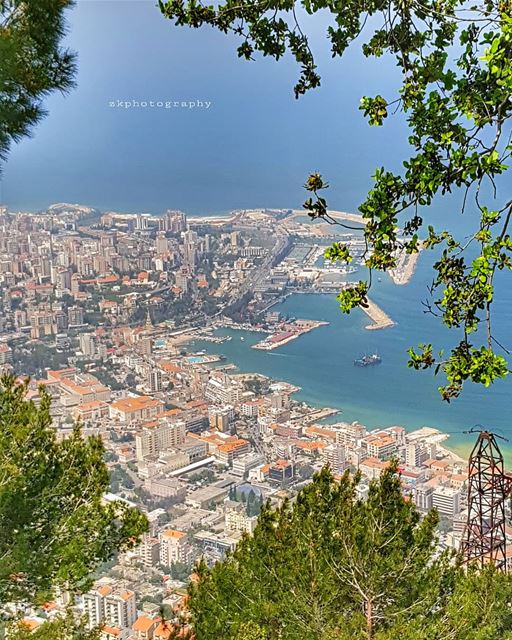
321, 363
252, 147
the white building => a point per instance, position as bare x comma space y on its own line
87, 344
243, 464
446, 500
423, 497
236, 518
121, 609
153, 440
149, 551
223, 390
334, 456
109, 606
173, 547
416, 454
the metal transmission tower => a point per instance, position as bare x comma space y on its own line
488, 488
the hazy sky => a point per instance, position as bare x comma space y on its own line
254, 146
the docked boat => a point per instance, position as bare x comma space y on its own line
367, 361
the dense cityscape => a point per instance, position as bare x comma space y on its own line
101, 311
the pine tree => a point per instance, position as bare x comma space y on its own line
55, 527
333, 567
32, 63
251, 500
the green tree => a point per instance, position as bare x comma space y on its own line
455, 62
478, 608
180, 571
55, 527
333, 567
32, 63
329, 566
64, 628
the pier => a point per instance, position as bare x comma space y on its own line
379, 318
287, 333
405, 268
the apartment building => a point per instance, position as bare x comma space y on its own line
164, 435
173, 547
446, 500
110, 606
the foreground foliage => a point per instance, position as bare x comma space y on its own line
55, 528
65, 628
32, 63
333, 567
455, 61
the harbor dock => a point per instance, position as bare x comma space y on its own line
379, 318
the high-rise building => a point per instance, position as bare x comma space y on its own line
175, 221
415, 454
149, 551
42, 324
87, 343
334, 456
5, 353
141, 222
94, 605
183, 279
75, 316
423, 497
161, 245
75, 284
174, 547
223, 389
155, 380
121, 609
190, 248
221, 418
61, 320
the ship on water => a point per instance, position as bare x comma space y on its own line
367, 361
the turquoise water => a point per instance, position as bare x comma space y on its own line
321, 363
195, 359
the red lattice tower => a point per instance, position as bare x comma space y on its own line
488, 488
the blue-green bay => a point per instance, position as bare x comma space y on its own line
321, 363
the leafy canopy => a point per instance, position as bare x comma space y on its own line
63, 628
55, 527
456, 84
32, 64
333, 567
